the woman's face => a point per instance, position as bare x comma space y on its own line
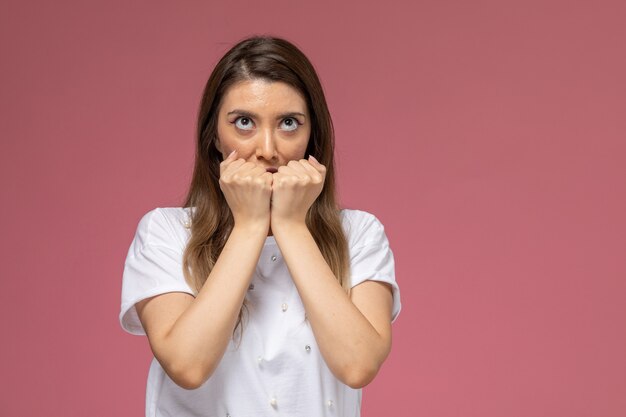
267, 123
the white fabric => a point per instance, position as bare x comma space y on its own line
276, 369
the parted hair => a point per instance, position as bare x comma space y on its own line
275, 60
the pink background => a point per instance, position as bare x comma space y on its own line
488, 137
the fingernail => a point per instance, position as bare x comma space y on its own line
313, 158
231, 154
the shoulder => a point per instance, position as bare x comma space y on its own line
361, 227
163, 226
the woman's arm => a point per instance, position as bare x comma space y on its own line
188, 335
353, 333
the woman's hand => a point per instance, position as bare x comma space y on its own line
247, 188
294, 189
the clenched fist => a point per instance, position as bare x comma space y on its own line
258, 197
294, 189
247, 188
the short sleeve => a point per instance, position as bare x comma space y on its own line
371, 257
153, 266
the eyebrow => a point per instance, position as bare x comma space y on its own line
256, 116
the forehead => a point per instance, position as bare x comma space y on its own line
261, 95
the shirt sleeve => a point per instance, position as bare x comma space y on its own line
371, 257
153, 266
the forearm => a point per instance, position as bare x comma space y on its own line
200, 336
349, 343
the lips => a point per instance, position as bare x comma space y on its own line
271, 170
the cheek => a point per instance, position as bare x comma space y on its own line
305, 143
224, 142
296, 152
293, 147
302, 150
228, 144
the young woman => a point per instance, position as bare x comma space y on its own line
260, 297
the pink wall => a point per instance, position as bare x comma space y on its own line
488, 136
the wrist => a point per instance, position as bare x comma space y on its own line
251, 229
286, 226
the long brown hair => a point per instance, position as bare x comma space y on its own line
271, 59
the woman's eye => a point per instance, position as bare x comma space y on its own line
289, 124
243, 123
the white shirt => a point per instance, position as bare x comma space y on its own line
276, 368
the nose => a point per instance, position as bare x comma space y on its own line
266, 145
